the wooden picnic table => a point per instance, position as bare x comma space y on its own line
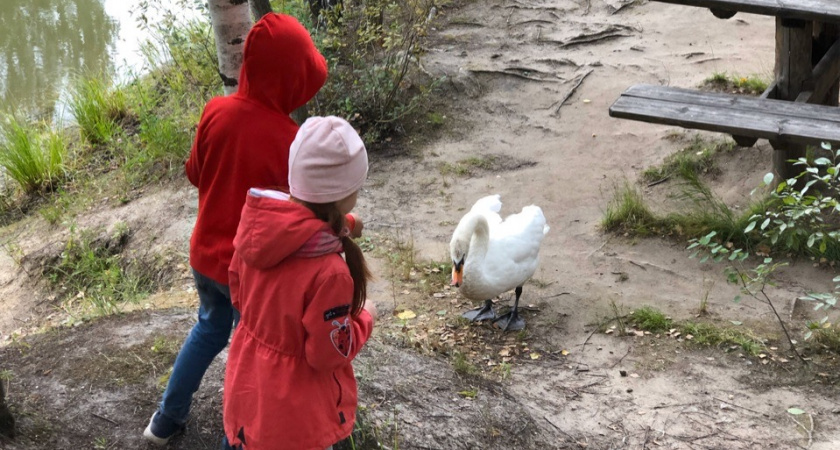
807, 70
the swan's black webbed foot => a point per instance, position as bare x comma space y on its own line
484, 313
510, 321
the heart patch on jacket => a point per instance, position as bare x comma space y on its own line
341, 337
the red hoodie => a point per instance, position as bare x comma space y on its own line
289, 381
243, 140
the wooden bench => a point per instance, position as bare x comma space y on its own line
745, 118
811, 10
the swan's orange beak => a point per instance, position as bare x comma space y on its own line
458, 273
457, 276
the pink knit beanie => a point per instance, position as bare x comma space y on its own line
327, 161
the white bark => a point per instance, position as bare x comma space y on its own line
231, 20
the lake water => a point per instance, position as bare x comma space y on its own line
43, 43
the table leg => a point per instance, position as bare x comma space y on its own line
794, 48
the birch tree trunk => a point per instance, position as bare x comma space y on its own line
231, 20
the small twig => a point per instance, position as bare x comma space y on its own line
555, 295
572, 91
622, 358
637, 264
784, 328
105, 419
558, 428
513, 74
659, 181
738, 406
583, 346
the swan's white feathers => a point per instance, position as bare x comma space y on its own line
504, 259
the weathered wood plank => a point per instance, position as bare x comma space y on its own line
754, 123
817, 10
748, 104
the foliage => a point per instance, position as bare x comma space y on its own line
32, 155
697, 157
371, 48
94, 272
651, 319
805, 217
97, 109
753, 84
628, 212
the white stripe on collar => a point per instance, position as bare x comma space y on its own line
269, 193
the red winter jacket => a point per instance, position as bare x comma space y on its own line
243, 140
289, 382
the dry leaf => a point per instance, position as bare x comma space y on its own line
564, 352
535, 355
407, 314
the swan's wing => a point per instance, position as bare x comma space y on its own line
513, 252
489, 207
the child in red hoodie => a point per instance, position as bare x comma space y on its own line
289, 382
242, 140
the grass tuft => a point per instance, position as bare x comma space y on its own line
32, 157
628, 212
651, 319
97, 109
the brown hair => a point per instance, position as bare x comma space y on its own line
329, 213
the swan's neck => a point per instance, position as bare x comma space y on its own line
479, 232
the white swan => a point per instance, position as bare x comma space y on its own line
491, 256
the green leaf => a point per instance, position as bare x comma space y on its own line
822, 161
811, 240
750, 227
737, 299
826, 145
768, 178
765, 223
822, 246
736, 322
795, 411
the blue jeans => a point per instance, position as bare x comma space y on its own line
209, 336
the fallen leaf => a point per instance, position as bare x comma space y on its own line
407, 314
564, 352
535, 355
795, 411
634, 375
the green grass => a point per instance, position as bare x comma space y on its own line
94, 272
462, 365
824, 337
32, 156
752, 84
710, 335
651, 319
628, 212
98, 110
698, 157
703, 334
467, 166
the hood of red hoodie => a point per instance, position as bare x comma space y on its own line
281, 68
271, 230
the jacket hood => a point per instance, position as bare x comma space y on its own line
271, 230
281, 68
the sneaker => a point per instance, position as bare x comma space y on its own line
160, 430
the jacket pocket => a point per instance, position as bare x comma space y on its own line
340, 391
